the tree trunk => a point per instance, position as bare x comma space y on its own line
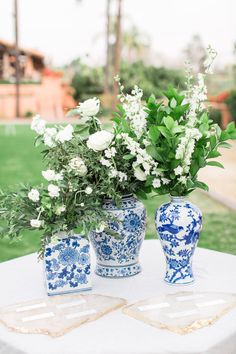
17, 64
117, 53
107, 67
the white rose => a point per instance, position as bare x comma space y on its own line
88, 190
35, 223
49, 175
38, 125
100, 140
53, 191
49, 137
139, 174
66, 134
78, 165
60, 209
33, 195
89, 108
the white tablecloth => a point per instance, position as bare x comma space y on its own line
22, 279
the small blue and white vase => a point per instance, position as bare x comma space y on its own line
178, 224
118, 257
67, 265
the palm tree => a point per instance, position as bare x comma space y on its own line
134, 44
117, 51
107, 67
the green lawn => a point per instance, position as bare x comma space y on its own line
21, 162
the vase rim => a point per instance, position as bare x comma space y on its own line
177, 197
124, 196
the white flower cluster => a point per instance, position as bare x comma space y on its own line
78, 166
196, 95
51, 136
208, 63
144, 164
134, 111
133, 107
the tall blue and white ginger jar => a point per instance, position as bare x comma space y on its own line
119, 256
67, 265
178, 225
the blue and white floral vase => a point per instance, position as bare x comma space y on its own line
178, 224
67, 265
118, 257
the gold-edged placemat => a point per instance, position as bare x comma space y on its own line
182, 312
57, 315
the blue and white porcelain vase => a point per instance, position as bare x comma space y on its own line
119, 256
178, 224
67, 265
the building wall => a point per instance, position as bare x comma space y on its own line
46, 99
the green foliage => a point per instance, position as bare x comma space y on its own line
231, 103
89, 81
167, 126
151, 79
216, 116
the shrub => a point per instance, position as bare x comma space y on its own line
216, 116
231, 103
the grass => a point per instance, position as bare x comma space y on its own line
21, 162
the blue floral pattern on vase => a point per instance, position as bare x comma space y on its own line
118, 256
67, 265
178, 224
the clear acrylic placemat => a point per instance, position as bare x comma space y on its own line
182, 312
57, 315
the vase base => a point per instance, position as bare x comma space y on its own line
117, 272
180, 283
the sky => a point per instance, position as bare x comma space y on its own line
67, 29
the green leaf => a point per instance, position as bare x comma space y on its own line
165, 132
224, 135
201, 185
230, 127
169, 122
213, 153
151, 150
128, 157
154, 133
225, 145
215, 163
213, 141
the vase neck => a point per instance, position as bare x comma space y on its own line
177, 199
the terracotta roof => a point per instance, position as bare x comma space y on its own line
32, 52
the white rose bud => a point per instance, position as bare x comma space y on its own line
38, 125
53, 191
89, 108
88, 190
100, 140
35, 223
34, 195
